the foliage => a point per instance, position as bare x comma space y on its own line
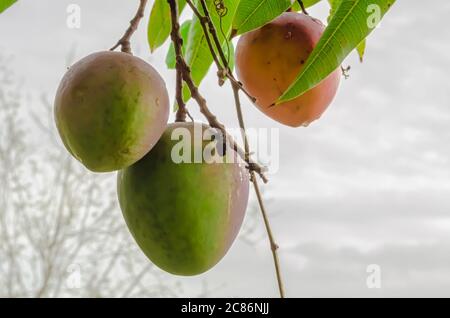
349, 26
158, 28
253, 14
361, 48
350, 22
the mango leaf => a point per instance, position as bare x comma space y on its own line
334, 4
170, 58
5, 4
229, 53
306, 3
252, 14
361, 48
353, 21
198, 55
159, 25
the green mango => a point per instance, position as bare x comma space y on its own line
110, 110
184, 215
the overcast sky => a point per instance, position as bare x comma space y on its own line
367, 184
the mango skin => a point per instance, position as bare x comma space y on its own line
269, 59
110, 110
183, 216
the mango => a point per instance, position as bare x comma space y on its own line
184, 215
110, 110
269, 59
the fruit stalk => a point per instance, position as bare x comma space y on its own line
273, 245
223, 71
206, 20
182, 111
124, 41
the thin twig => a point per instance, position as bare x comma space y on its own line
182, 111
236, 87
300, 2
273, 246
223, 72
124, 42
208, 39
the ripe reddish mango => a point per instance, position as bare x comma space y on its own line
269, 59
110, 109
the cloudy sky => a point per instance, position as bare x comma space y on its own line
367, 184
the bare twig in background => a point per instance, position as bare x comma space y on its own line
124, 42
273, 245
182, 111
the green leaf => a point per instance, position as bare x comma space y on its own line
171, 58
353, 21
252, 14
159, 25
306, 3
5, 4
334, 4
198, 56
361, 48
